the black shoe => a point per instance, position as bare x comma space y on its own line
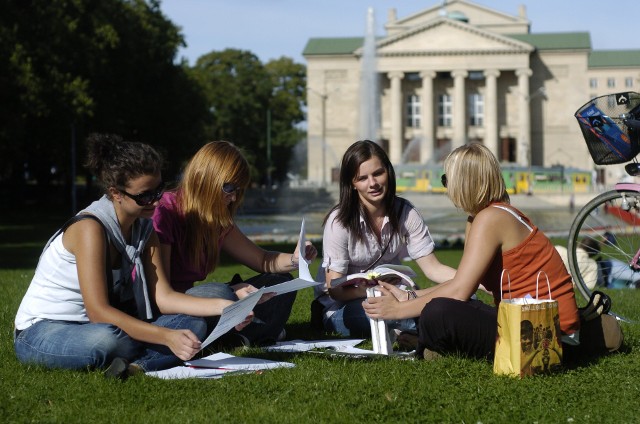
118, 369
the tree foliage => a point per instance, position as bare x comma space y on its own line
247, 99
90, 65
80, 66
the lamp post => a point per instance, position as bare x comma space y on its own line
323, 98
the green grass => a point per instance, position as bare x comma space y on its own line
318, 389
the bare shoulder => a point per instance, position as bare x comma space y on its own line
83, 233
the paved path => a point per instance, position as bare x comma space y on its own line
549, 212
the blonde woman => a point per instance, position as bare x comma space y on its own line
498, 237
195, 223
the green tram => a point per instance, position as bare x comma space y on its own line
519, 180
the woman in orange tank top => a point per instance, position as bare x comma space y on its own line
498, 237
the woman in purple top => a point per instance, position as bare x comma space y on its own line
195, 224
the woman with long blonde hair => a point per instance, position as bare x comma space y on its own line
195, 223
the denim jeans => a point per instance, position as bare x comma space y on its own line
270, 317
349, 320
80, 345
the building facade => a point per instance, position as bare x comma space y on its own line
456, 73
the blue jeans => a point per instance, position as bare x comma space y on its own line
79, 345
269, 317
349, 320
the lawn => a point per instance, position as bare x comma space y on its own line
319, 389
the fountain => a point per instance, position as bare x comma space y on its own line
369, 84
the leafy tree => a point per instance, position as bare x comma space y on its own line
246, 98
91, 65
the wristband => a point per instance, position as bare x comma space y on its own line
293, 264
411, 295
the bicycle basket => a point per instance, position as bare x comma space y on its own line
609, 140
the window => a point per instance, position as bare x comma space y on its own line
628, 82
476, 110
611, 82
445, 116
413, 111
593, 83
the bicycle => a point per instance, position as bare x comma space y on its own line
606, 231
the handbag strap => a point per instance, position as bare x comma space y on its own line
504, 271
538, 283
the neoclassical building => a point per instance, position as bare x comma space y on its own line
455, 73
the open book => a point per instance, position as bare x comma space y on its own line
389, 273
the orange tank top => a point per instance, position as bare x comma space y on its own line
523, 262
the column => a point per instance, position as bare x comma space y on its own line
524, 135
428, 142
491, 111
459, 109
395, 139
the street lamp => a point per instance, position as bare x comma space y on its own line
323, 97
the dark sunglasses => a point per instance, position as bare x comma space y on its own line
443, 180
146, 198
230, 188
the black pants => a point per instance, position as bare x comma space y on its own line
270, 316
452, 326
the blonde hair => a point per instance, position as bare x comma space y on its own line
201, 199
474, 178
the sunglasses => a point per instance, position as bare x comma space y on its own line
443, 180
230, 188
146, 198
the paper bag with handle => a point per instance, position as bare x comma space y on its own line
528, 338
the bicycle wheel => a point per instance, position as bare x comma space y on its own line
607, 231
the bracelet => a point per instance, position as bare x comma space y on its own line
411, 295
294, 264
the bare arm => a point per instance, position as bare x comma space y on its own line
343, 294
86, 240
258, 259
484, 242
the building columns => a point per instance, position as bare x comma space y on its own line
491, 111
524, 135
395, 139
459, 109
428, 142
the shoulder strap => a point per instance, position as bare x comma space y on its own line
518, 217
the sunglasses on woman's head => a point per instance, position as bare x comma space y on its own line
146, 198
443, 180
229, 188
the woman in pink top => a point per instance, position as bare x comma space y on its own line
498, 237
195, 224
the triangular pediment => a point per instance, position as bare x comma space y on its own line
447, 36
474, 14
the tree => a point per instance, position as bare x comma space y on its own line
91, 65
242, 93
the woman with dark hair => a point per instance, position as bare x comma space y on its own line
370, 226
99, 297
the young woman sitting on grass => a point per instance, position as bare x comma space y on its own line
195, 224
370, 226
498, 237
99, 297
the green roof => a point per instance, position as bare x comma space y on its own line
329, 46
556, 40
546, 41
614, 58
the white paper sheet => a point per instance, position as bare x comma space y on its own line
303, 264
226, 365
304, 346
233, 315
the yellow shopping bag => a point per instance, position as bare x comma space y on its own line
528, 340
